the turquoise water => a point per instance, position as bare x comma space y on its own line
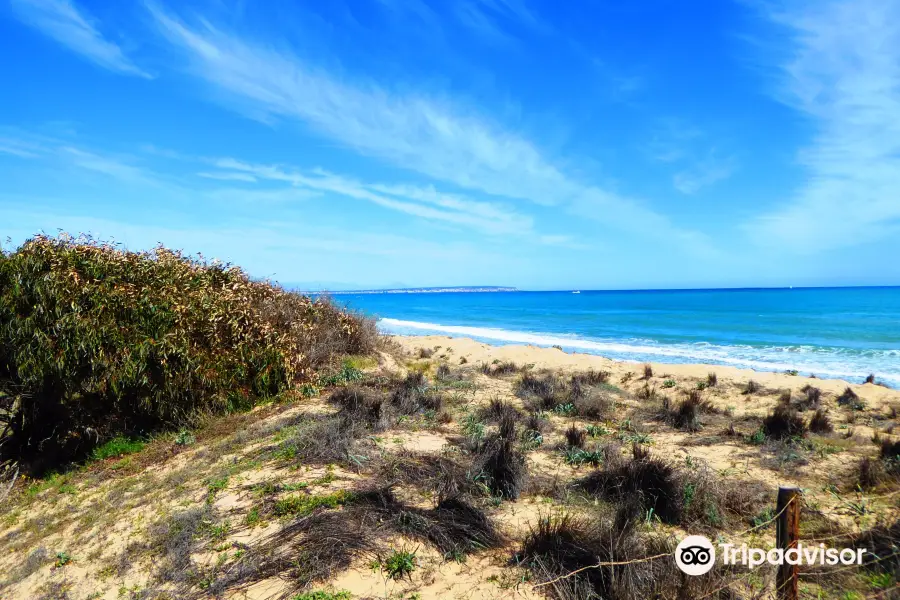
830, 332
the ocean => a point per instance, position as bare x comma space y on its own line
842, 333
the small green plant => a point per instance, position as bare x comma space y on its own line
757, 437
304, 505
62, 559
635, 437
214, 486
347, 374
184, 438
322, 595
532, 439
596, 431
579, 456
881, 581
472, 426
668, 383
252, 519
118, 447
309, 390
565, 410
690, 489
399, 564
764, 517
702, 385
792, 372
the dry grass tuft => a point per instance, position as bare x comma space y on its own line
820, 423
687, 414
850, 399
499, 369
561, 544
499, 464
575, 437
783, 423
499, 410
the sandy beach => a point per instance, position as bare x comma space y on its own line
553, 358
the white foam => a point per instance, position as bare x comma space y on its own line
808, 359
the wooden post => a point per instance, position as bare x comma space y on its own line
787, 536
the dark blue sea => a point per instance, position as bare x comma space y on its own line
830, 332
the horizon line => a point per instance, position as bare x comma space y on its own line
449, 289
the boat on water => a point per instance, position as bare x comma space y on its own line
576, 292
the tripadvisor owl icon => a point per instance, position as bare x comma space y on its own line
695, 555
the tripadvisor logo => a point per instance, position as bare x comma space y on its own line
696, 555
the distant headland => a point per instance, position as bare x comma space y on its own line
422, 290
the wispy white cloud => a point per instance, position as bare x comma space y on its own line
430, 135
491, 19
423, 202
841, 70
704, 173
417, 132
75, 29
275, 183
687, 149
674, 140
106, 165
15, 149
228, 176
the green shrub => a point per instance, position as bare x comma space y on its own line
97, 342
305, 505
320, 595
399, 564
116, 447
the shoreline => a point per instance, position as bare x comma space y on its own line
831, 365
475, 351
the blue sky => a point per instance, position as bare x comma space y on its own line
544, 145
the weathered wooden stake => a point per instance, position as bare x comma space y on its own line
787, 536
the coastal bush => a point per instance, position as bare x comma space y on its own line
752, 387
820, 423
850, 399
575, 437
534, 427
499, 464
812, 399
413, 394
687, 414
500, 368
96, 342
593, 404
649, 481
712, 380
498, 410
584, 394
316, 547
565, 549
590, 378
655, 488
648, 371
783, 423
873, 471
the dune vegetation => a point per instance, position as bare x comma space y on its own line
96, 342
182, 431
